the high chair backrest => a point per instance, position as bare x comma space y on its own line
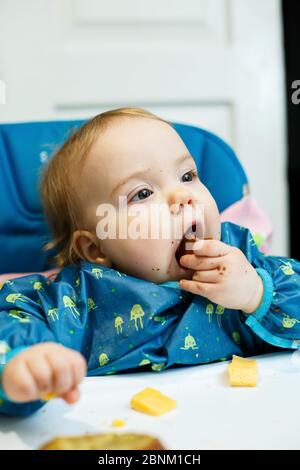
26, 147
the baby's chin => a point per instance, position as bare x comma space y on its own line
160, 277
157, 274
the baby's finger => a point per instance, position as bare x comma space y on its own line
196, 287
211, 276
19, 385
62, 372
41, 373
78, 366
200, 263
72, 396
211, 248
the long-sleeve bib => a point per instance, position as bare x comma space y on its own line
119, 322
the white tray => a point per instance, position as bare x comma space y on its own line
210, 414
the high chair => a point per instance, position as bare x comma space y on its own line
26, 147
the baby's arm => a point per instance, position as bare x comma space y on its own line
31, 359
277, 321
270, 285
46, 368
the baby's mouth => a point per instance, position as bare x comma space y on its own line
185, 247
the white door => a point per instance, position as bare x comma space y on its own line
214, 63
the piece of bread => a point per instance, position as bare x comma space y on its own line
104, 442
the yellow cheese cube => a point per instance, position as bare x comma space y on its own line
243, 372
152, 402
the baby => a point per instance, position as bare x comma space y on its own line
122, 300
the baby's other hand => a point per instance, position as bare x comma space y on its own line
42, 369
223, 275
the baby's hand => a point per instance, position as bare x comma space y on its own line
46, 368
223, 275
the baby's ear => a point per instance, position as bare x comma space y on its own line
87, 247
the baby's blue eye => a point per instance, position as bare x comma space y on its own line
142, 194
187, 177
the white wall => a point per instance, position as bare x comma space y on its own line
214, 63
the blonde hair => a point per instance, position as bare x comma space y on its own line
58, 183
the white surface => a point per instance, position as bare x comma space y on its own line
210, 413
214, 63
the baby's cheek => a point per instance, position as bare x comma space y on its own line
146, 258
212, 222
147, 253
132, 256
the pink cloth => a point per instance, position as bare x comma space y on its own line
247, 213
51, 274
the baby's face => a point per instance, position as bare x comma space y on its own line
146, 163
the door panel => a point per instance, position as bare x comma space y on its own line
213, 63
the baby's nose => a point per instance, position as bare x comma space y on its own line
177, 198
